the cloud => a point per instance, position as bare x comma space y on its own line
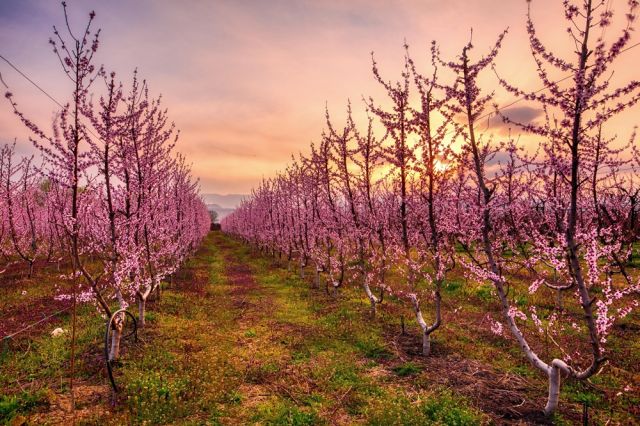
522, 114
246, 81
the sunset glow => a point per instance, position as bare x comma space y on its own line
246, 82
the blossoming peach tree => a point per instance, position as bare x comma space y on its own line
112, 189
432, 193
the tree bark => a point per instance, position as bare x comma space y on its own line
426, 329
316, 278
142, 306
373, 300
116, 337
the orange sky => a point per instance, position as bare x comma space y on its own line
246, 81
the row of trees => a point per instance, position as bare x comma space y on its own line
26, 233
397, 210
111, 194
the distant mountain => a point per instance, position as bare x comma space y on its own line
224, 205
222, 211
228, 201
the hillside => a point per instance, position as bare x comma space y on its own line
223, 204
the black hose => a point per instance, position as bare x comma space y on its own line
106, 343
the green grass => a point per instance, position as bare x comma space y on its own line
272, 351
280, 413
407, 369
441, 409
373, 348
47, 357
21, 403
485, 293
452, 287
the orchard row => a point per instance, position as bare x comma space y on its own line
398, 205
110, 196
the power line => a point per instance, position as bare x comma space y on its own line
545, 87
12, 335
46, 93
2, 81
55, 101
30, 81
39, 88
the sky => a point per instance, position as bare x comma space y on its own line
246, 81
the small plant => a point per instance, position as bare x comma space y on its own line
13, 405
156, 399
233, 397
452, 286
448, 410
521, 300
372, 349
282, 414
484, 293
578, 392
442, 409
407, 369
151, 316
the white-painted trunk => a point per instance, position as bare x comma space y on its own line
117, 327
335, 285
554, 391
116, 337
560, 300
555, 373
426, 330
553, 370
373, 300
142, 306
374, 307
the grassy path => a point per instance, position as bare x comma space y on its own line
236, 339
240, 341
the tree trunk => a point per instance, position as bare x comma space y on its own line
426, 344
373, 300
316, 278
116, 337
426, 329
142, 307
335, 286
555, 373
